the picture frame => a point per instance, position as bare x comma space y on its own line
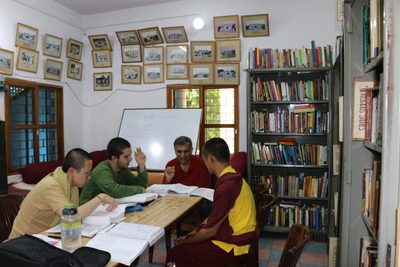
177, 72
27, 60
131, 74
100, 42
177, 54
26, 36
175, 34
102, 58
228, 50
202, 51
226, 27
52, 46
53, 69
150, 36
74, 49
131, 53
153, 73
6, 61
129, 37
227, 73
360, 86
201, 74
255, 25
102, 81
74, 70
153, 55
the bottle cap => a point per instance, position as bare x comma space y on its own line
69, 205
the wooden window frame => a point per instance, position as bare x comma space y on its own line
203, 126
35, 126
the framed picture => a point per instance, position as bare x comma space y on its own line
227, 73
177, 54
74, 70
202, 51
153, 73
100, 42
26, 36
175, 34
27, 60
102, 59
153, 55
226, 27
228, 50
128, 37
177, 72
74, 49
255, 25
102, 81
131, 53
53, 69
52, 46
360, 88
131, 74
150, 36
201, 74
6, 61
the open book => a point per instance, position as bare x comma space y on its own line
206, 193
138, 198
126, 241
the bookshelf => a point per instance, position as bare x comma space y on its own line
368, 233
289, 142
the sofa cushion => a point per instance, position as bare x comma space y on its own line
34, 172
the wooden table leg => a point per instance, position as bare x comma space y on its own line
151, 250
168, 240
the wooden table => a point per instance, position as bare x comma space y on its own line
166, 212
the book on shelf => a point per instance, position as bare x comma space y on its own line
178, 188
333, 251
127, 241
368, 252
138, 198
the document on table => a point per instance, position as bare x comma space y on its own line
138, 198
207, 193
138, 231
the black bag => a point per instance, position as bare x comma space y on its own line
30, 251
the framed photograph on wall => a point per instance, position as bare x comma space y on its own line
177, 54
26, 36
131, 53
74, 49
128, 37
202, 51
226, 27
131, 74
201, 74
6, 61
177, 72
74, 70
228, 50
102, 59
150, 36
27, 60
53, 70
153, 73
153, 55
52, 46
100, 42
102, 81
175, 34
227, 73
255, 25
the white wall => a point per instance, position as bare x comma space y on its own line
292, 24
92, 118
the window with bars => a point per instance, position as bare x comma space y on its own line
220, 110
34, 123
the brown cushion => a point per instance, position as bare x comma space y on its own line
98, 156
34, 172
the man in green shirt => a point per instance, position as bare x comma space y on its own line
113, 177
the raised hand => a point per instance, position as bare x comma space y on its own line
169, 173
140, 158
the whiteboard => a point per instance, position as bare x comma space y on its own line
155, 130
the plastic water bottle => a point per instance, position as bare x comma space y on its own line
70, 228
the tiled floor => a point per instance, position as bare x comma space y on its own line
314, 254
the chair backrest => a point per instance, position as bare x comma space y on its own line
9, 207
298, 236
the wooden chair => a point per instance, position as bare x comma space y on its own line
9, 207
298, 236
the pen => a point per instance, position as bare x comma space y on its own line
54, 236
